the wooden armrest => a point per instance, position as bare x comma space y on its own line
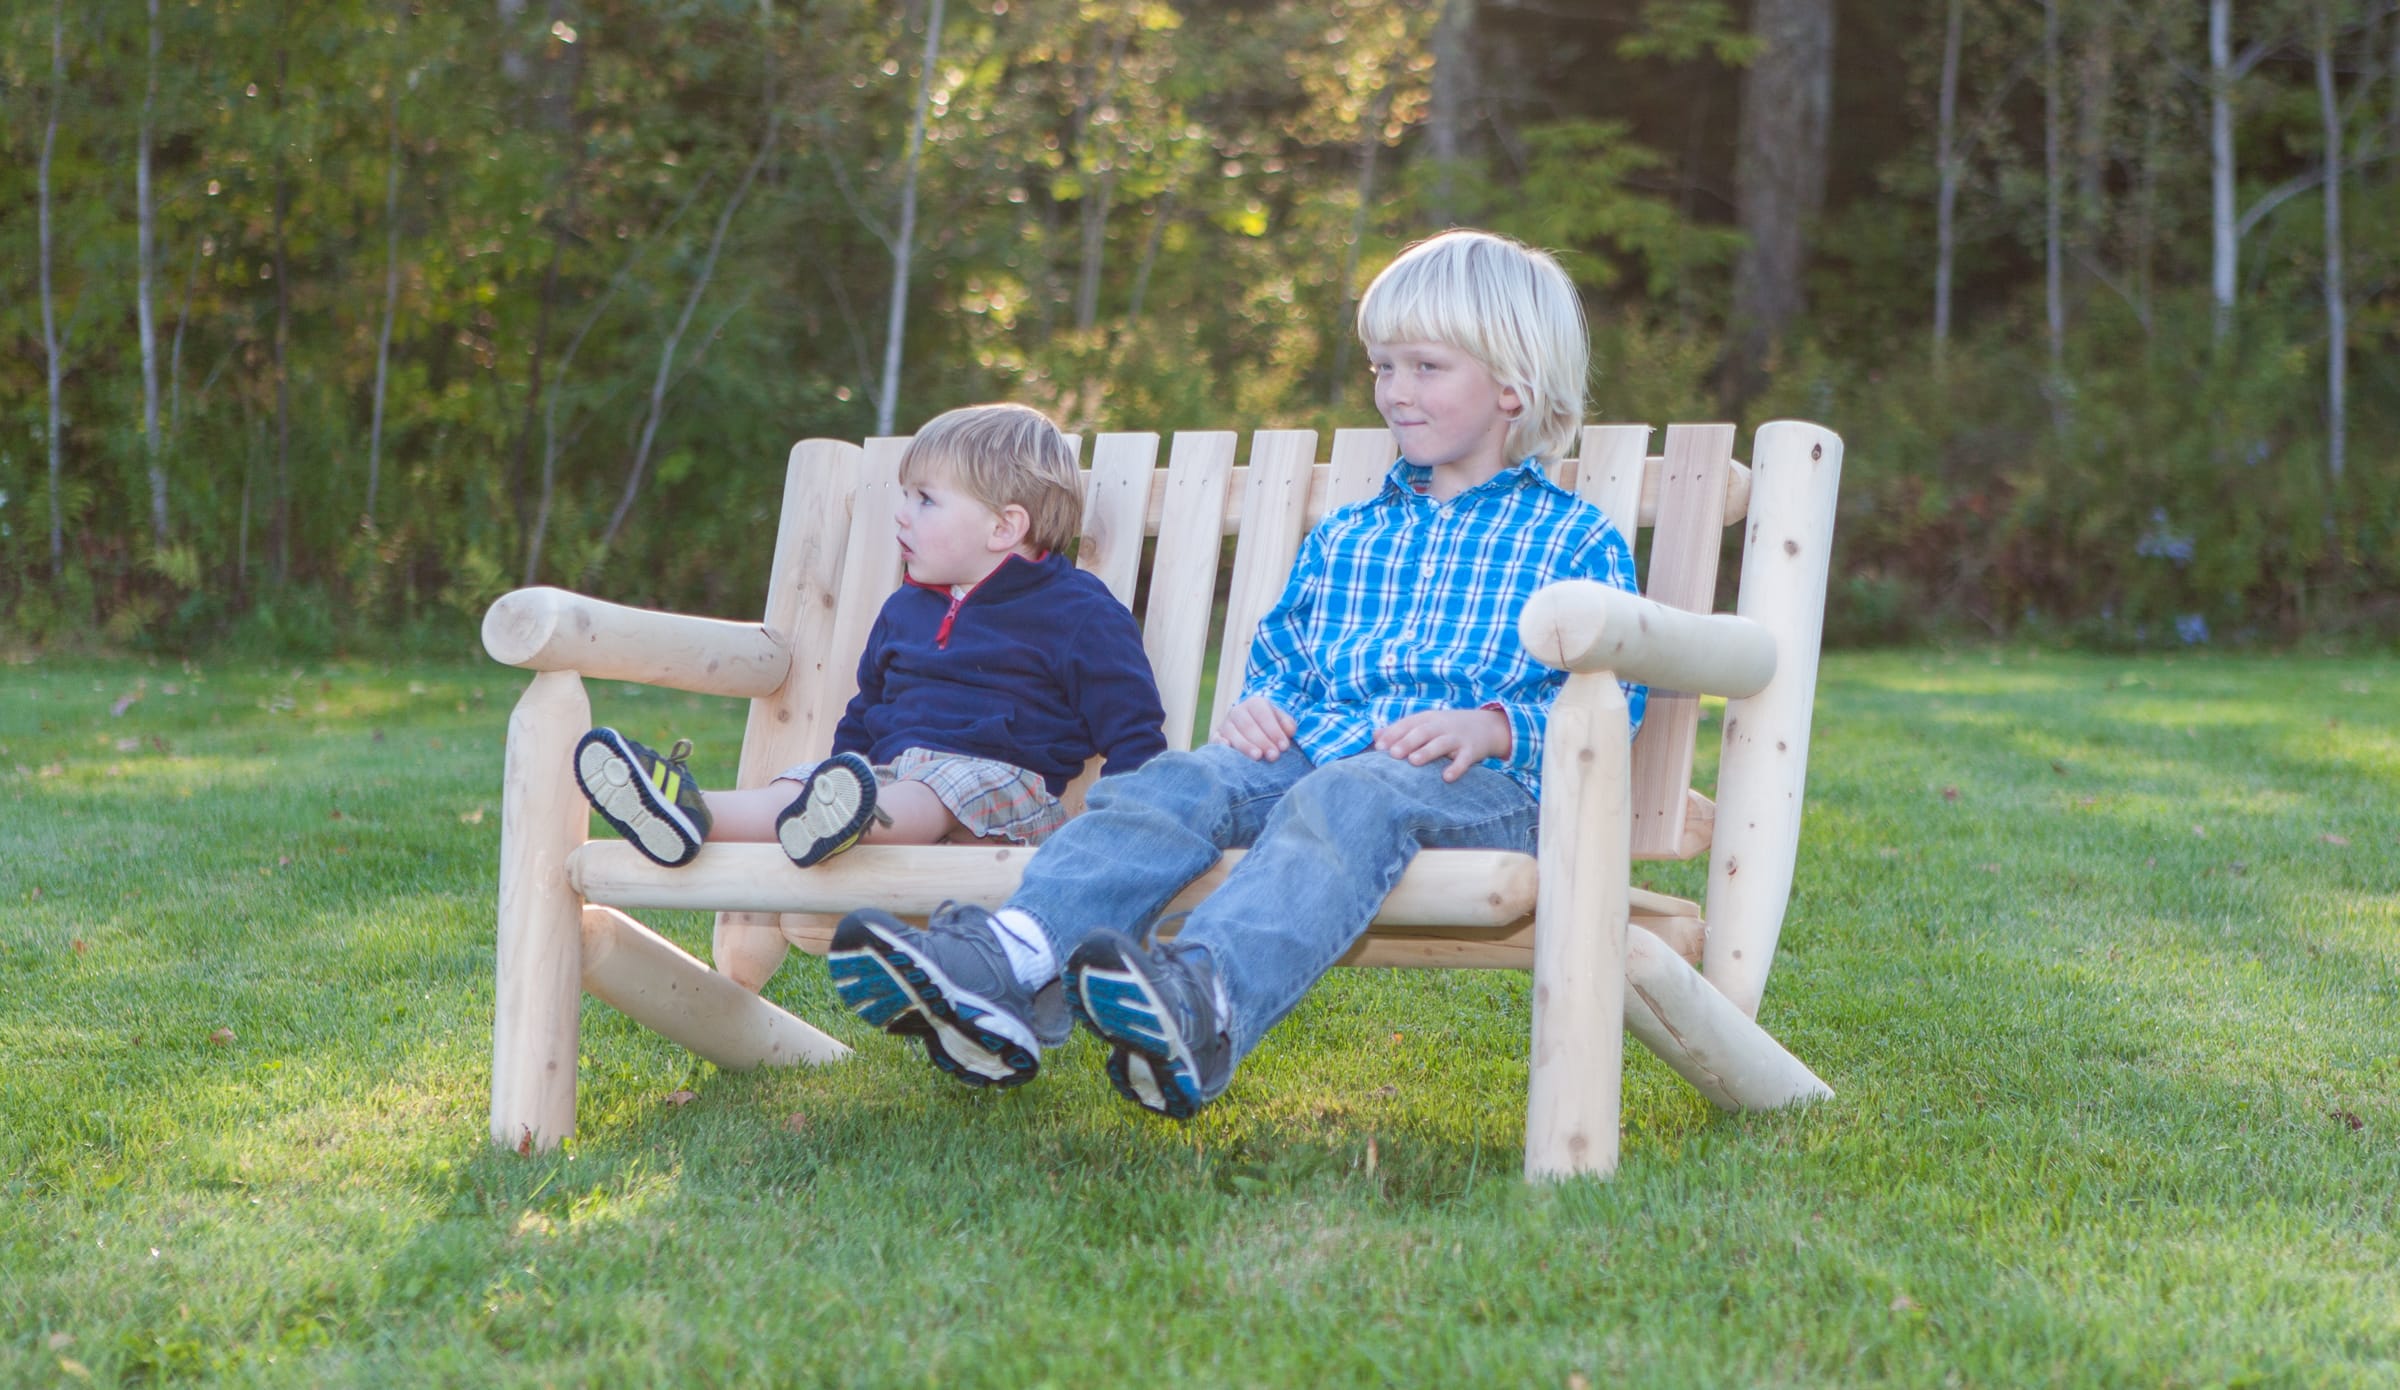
1584, 626
546, 629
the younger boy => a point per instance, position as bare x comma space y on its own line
989, 678
1389, 707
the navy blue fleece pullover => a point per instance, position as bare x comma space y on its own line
1037, 666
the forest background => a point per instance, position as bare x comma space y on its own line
324, 322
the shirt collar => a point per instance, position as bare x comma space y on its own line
1408, 479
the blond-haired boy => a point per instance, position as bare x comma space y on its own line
1389, 707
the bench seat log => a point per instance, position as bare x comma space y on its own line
1609, 959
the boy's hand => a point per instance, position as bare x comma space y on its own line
1256, 727
1464, 736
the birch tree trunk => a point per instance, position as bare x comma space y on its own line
1370, 142
2054, 304
1454, 85
887, 400
281, 522
2337, 314
2220, 165
1094, 205
1945, 208
1779, 178
391, 296
50, 344
146, 254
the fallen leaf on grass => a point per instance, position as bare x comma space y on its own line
128, 745
796, 1123
2201, 831
223, 1037
60, 1341
682, 1097
79, 946
1949, 793
283, 861
1989, 868
1577, 1380
1902, 1303
54, 769
124, 703
2337, 841
68, 1365
2347, 1118
474, 817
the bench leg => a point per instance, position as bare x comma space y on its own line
749, 947
1582, 909
538, 986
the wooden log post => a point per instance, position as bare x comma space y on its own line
661, 986
794, 723
537, 989
1762, 773
1582, 907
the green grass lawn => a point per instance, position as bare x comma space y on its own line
2102, 956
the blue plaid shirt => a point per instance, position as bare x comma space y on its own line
1401, 604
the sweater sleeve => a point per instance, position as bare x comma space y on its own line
1108, 680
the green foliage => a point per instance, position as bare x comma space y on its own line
1141, 216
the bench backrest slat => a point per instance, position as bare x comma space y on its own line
1183, 574
1684, 546
1274, 517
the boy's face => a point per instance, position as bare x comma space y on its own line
948, 536
1443, 406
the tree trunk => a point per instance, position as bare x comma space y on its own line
1779, 179
1945, 219
2222, 261
2095, 74
391, 298
1454, 92
146, 241
1370, 142
281, 523
887, 401
2054, 304
1159, 221
1093, 207
50, 343
2337, 314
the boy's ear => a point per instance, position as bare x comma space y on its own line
1512, 404
1010, 525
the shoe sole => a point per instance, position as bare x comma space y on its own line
885, 983
613, 782
831, 811
1149, 1063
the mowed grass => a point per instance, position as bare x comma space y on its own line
2101, 955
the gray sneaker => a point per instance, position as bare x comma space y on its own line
1165, 1015
948, 982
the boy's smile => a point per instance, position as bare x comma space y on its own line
1445, 409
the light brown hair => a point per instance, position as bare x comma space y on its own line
1003, 455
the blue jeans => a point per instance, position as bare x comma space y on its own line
1326, 844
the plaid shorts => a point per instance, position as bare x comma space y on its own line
990, 799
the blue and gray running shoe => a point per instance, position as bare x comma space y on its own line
949, 983
1165, 1014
